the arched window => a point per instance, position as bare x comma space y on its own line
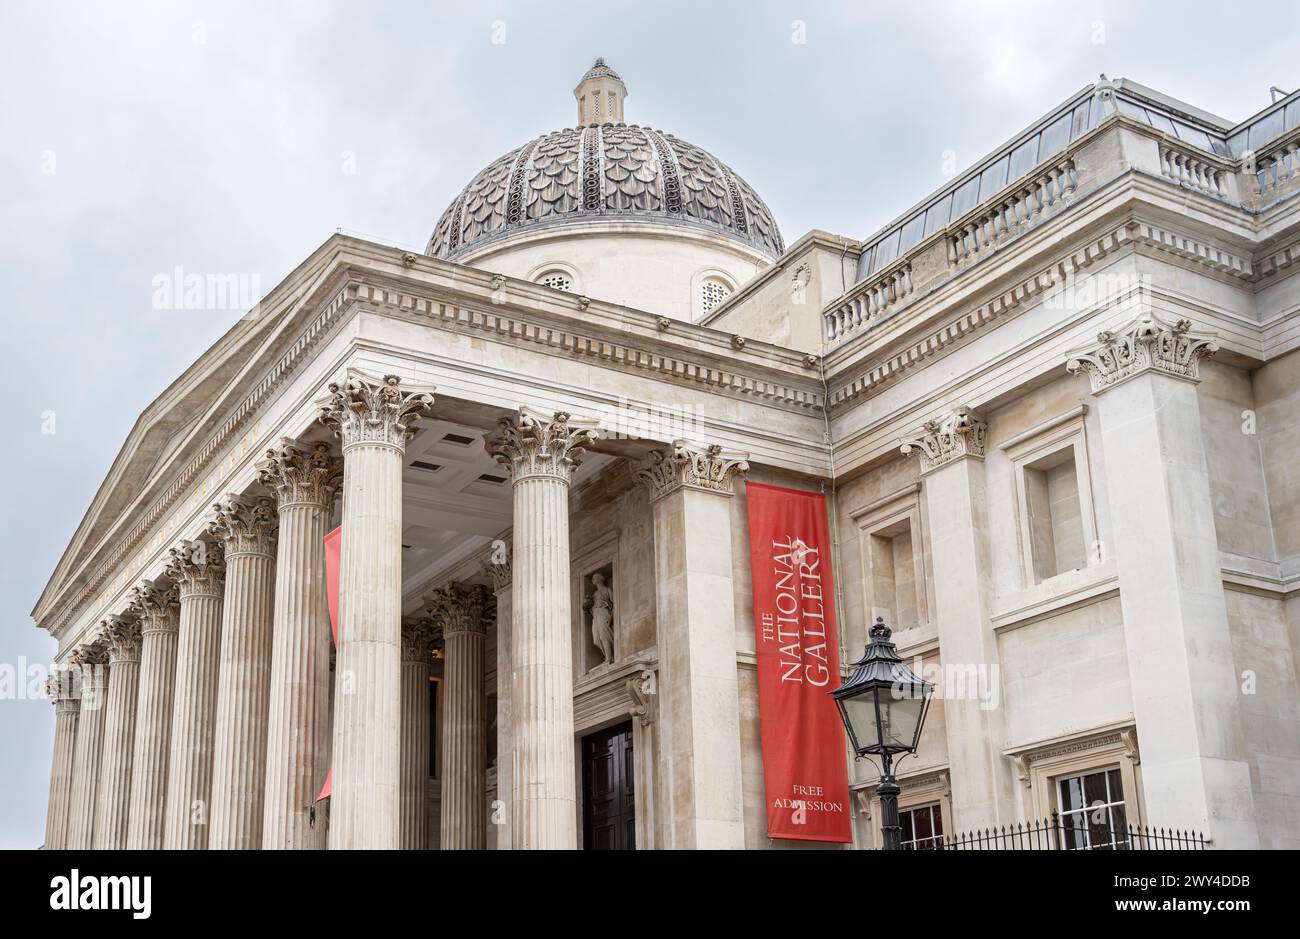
713, 290
557, 280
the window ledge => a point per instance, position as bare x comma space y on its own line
1055, 595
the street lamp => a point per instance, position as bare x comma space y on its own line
883, 706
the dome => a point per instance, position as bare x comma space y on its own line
604, 171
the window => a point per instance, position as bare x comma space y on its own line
557, 280
712, 292
1092, 811
1058, 531
922, 828
1055, 521
893, 571
893, 565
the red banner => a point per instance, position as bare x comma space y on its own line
804, 767
333, 549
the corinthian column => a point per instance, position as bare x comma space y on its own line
497, 566
92, 659
123, 639
458, 610
690, 489
541, 453
243, 683
156, 609
418, 636
297, 749
373, 418
199, 570
62, 692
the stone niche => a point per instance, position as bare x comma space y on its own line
596, 608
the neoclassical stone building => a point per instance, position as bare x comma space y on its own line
1055, 410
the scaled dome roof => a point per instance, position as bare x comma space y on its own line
604, 172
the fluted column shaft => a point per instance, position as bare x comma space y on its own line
417, 639
243, 683
66, 711
500, 570
199, 571
372, 418
541, 452
298, 745
545, 796
113, 804
459, 611
87, 752
157, 610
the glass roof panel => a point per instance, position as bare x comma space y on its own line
1024, 158
937, 215
1054, 137
912, 232
993, 178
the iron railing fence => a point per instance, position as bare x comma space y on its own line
1072, 833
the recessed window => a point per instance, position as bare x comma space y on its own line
893, 573
1092, 811
713, 292
426, 466
922, 828
556, 280
460, 439
1056, 534
489, 478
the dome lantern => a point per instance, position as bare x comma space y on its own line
600, 96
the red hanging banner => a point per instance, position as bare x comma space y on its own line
804, 767
333, 549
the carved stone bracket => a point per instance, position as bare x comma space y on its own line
247, 526
460, 608
537, 444
363, 409
198, 568
705, 467
641, 689
297, 476
958, 434
1147, 343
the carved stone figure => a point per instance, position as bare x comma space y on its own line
601, 604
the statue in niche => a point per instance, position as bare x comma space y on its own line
601, 604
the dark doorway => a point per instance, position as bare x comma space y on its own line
608, 806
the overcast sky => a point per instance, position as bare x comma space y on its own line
234, 137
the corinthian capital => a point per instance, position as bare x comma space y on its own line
1147, 343
691, 466
298, 476
63, 687
498, 565
459, 608
247, 526
953, 436
363, 409
537, 444
419, 633
198, 568
122, 637
155, 607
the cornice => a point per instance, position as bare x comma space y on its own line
714, 368
939, 338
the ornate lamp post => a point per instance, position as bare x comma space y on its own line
883, 705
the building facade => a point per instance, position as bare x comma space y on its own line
1055, 410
